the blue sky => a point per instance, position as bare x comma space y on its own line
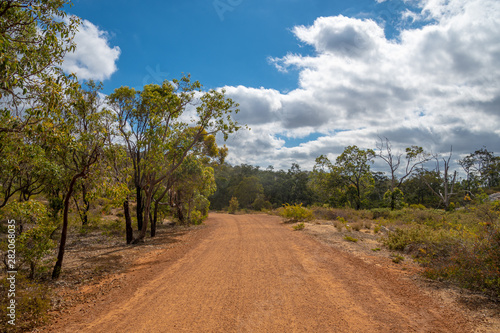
219, 42
313, 77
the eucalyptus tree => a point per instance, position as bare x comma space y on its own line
482, 168
118, 175
77, 143
153, 124
326, 182
192, 182
414, 156
446, 181
34, 37
354, 165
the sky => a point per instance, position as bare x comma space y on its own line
312, 76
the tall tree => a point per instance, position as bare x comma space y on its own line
77, 145
415, 156
447, 182
155, 133
482, 168
326, 182
354, 164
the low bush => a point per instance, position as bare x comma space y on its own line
299, 226
233, 205
421, 241
462, 246
296, 213
350, 239
381, 213
32, 304
474, 265
397, 258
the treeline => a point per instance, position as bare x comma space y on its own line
414, 177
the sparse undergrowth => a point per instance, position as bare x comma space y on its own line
462, 246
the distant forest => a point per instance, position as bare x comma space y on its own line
349, 181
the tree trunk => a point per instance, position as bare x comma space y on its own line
153, 220
139, 207
62, 244
128, 222
86, 206
147, 208
155, 213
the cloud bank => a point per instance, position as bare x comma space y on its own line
437, 84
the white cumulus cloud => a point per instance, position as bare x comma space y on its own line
94, 58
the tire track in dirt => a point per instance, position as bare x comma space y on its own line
250, 273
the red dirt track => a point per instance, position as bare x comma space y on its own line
251, 273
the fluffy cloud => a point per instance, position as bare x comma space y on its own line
93, 58
436, 85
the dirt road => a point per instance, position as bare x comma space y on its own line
250, 273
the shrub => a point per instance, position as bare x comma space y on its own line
32, 304
350, 239
115, 227
394, 199
299, 226
367, 224
421, 240
296, 213
34, 243
474, 265
396, 258
233, 205
356, 226
197, 217
381, 213
339, 225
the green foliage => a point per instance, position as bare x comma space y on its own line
111, 228
248, 190
397, 258
261, 203
32, 305
421, 238
34, 244
350, 239
197, 217
354, 165
35, 36
296, 213
26, 212
394, 199
56, 204
233, 205
461, 246
299, 226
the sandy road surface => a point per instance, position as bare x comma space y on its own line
250, 273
